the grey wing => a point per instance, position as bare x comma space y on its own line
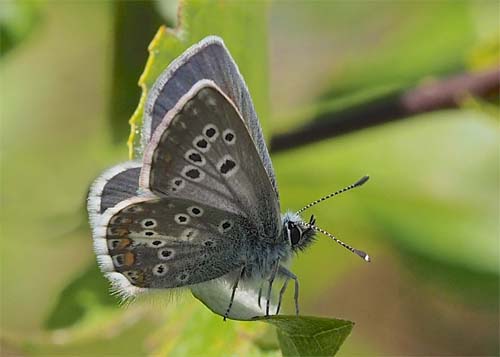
208, 59
114, 185
202, 151
154, 243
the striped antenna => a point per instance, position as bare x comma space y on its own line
359, 253
358, 183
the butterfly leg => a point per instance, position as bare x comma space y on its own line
289, 275
271, 280
260, 294
282, 292
235, 286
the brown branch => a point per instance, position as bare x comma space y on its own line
429, 96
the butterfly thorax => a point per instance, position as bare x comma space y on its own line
262, 254
261, 257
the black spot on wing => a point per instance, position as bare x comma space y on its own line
193, 173
227, 166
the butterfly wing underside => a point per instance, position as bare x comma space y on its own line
116, 184
203, 152
158, 243
208, 59
202, 195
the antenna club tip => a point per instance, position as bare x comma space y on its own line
362, 180
362, 255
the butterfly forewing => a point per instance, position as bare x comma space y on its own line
203, 152
170, 242
208, 59
116, 184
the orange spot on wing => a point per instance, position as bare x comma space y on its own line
124, 243
120, 232
128, 258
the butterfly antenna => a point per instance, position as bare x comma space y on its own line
358, 183
358, 252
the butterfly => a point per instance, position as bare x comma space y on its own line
202, 203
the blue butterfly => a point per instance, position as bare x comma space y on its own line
203, 203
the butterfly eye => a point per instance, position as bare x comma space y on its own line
294, 233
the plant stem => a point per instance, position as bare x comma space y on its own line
426, 97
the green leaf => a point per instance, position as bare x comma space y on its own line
230, 20
88, 290
197, 331
310, 336
17, 20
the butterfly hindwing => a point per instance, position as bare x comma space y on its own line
170, 242
203, 152
208, 59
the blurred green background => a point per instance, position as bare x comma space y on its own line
429, 217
